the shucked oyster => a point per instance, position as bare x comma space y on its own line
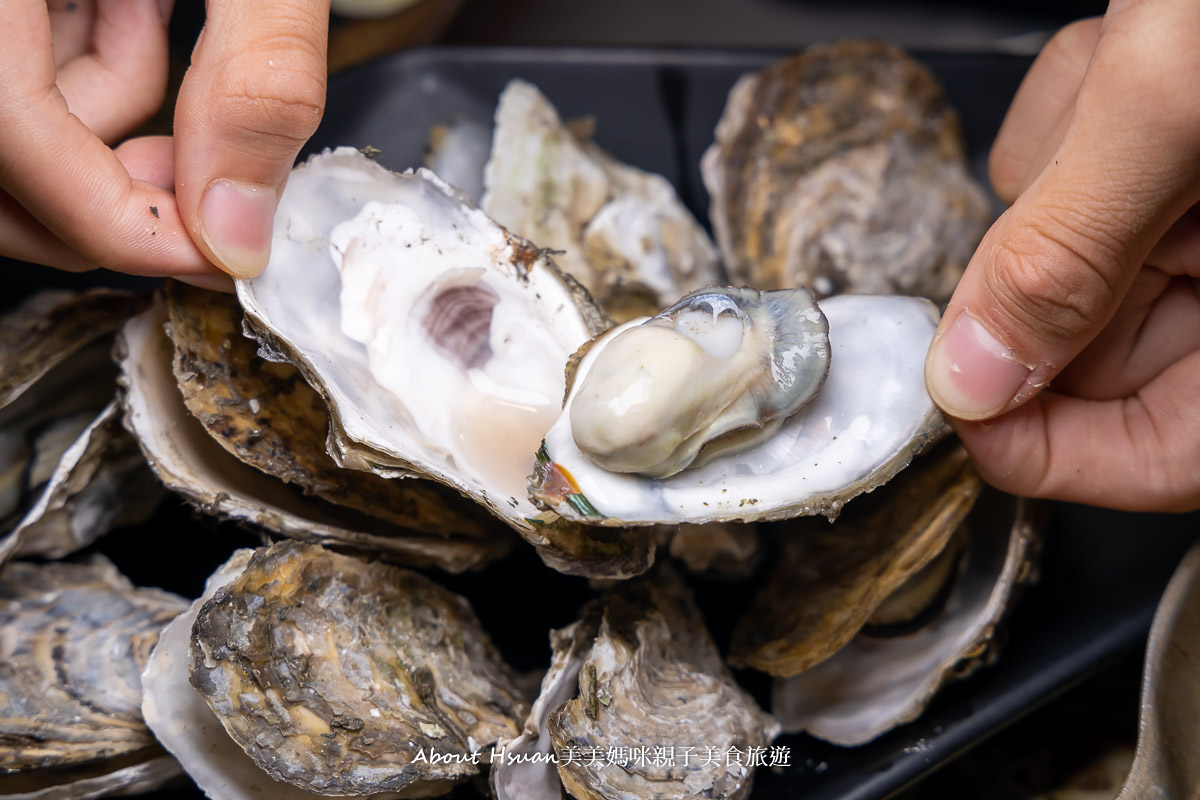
870, 417
73, 641
437, 338
334, 674
637, 703
842, 169
624, 233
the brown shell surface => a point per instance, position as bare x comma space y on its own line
332, 673
830, 579
265, 413
51, 326
653, 678
842, 168
74, 639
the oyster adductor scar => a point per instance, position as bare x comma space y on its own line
843, 168
334, 674
74, 639
437, 338
871, 415
714, 374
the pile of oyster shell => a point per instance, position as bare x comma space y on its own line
415, 382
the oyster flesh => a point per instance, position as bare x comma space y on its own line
334, 674
74, 639
842, 168
623, 233
871, 416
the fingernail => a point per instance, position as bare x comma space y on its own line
165, 7
236, 221
215, 281
969, 373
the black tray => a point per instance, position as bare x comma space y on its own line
1102, 572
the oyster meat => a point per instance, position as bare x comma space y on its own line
624, 233
334, 674
842, 168
871, 416
74, 639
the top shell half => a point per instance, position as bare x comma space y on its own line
437, 338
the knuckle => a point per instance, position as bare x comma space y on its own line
1049, 284
277, 92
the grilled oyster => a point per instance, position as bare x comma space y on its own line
334, 674
876, 682
871, 415
842, 168
73, 641
67, 473
437, 338
624, 233
418, 528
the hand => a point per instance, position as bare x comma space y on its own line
1069, 356
77, 76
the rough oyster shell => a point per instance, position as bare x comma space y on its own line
654, 678
74, 639
188, 461
830, 579
874, 684
842, 168
624, 233
332, 673
872, 415
447, 361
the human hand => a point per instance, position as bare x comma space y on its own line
78, 76
1069, 356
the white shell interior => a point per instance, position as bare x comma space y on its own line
358, 258
871, 414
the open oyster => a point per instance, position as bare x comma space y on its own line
73, 641
436, 337
842, 168
67, 472
335, 675
624, 233
871, 416
631, 687
412, 524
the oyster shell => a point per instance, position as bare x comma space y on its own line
458, 153
74, 639
871, 416
189, 461
447, 360
874, 684
831, 579
624, 233
332, 673
654, 679
842, 168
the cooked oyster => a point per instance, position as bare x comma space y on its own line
67, 474
842, 169
715, 374
188, 461
831, 579
654, 679
871, 416
874, 684
334, 674
73, 641
624, 233
447, 359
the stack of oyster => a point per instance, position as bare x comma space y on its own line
418, 381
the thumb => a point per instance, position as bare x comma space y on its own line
1051, 272
250, 100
